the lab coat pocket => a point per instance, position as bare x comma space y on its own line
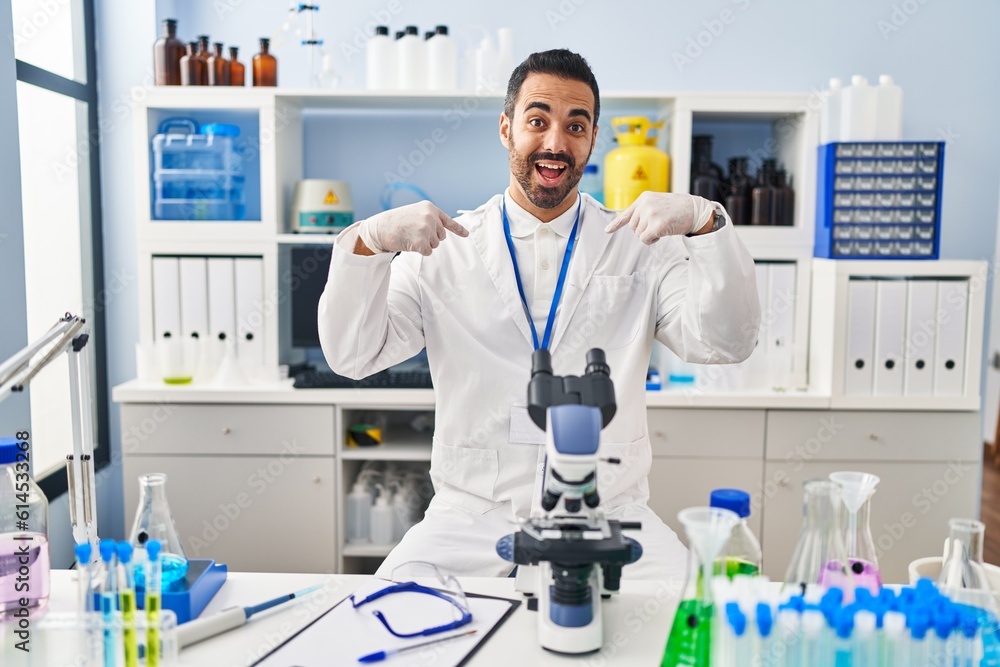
616, 308
623, 482
473, 470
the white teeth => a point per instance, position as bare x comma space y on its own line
552, 165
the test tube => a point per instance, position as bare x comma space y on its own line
789, 651
812, 630
126, 596
864, 639
153, 577
109, 602
84, 577
765, 623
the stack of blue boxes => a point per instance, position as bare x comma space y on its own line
879, 200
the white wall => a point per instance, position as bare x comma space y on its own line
945, 56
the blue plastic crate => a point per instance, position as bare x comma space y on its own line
879, 200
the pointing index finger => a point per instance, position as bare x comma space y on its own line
451, 225
623, 219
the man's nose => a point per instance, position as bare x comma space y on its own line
556, 140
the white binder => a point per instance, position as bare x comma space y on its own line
194, 297
890, 333
763, 271
949, 358
221, 298
921, 332
858, 366
166, 298
781, 330
250, 310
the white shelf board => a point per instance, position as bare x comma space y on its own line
690, 397
390, 451
367, 550
314, 238
906, 403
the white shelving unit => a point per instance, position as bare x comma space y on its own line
748, 448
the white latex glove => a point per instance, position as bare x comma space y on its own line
657, 214
419, 227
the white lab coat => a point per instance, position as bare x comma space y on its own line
462, 304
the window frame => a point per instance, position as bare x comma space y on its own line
55, 483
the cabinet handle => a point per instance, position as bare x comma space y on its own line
660, 434
782, 482
873, 437
317, 479
226, 430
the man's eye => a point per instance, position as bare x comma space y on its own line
576, 127
535, 122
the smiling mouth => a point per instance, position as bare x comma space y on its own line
551, 172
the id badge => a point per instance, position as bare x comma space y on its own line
523, 431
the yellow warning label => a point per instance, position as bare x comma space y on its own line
639, 174
330, 198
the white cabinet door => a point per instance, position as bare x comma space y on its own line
253, 513
678, 483
910, 509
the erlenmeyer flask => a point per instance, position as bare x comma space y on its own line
153, 521
856, 490
963, 564
820, 556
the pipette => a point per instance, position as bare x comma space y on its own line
193, 632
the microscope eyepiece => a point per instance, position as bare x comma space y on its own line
541, 362
597, 362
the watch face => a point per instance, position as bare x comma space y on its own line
720, 222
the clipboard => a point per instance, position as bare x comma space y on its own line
478, 639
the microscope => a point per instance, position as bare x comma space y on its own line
570, 556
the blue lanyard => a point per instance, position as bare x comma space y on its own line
559, 284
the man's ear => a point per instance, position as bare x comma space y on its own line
505, 131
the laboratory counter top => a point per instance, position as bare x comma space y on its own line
637, 621
135, 391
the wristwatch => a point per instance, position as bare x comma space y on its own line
718, 223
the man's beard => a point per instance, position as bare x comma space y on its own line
539, 195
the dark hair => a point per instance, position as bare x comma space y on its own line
559, 62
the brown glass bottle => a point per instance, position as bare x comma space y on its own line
237, 71
265, 66
218, 67
192, 67
204, 51
167, 54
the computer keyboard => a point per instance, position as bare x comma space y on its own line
390, 379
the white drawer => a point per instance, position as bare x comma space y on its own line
149, 428
873, 436
688, 432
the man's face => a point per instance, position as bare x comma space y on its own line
550, 138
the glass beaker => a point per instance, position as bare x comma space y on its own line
963, 564
707, 530
154, 521
820, 556
857, 489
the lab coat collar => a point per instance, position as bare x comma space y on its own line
523, 224
489, 240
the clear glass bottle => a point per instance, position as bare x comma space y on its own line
218, 67
167, 53
593, 183
762, 196
857, 489
742, 553
24, 534
265, 66
192, 67
154, 521
820, 556
204, 51
237, 70
706, 176
738, 197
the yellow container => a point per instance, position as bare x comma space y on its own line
637, 165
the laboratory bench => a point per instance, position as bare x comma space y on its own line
272, 460
637, 620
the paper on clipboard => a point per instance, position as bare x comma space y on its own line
344, 634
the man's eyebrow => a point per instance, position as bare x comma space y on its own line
547, 109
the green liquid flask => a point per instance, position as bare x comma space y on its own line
707, 530
742, 553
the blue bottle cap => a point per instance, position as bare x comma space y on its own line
221, 129
124, 552
731, 499
153, 548
107, 548
9, 450
590, 169
83, 553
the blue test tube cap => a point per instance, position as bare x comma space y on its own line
765, 619
925, 586
124, 552
845, 623
919, 624
969, 623
834, 596
107, 548
864, 599
795, 603
153, 549
83, 553
737, 619
945, 622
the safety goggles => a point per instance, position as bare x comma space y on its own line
425, 579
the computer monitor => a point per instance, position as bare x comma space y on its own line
310, 266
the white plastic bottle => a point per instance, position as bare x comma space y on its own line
400, 513
857, 120
359, 512
487, 82
411, 61
380, 60
829, 118
382, 521
505, 54
442, 61
889, 108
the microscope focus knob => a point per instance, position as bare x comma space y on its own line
505, 548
